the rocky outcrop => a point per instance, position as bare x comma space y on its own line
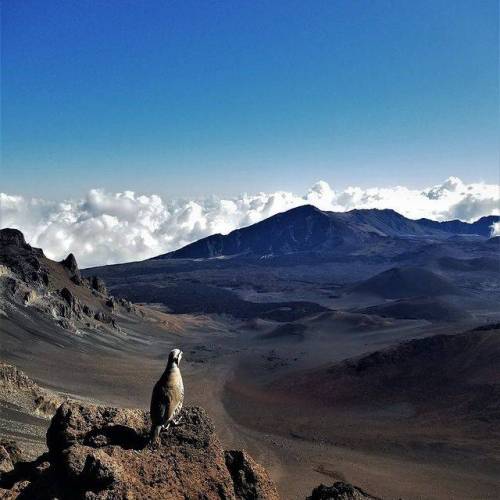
18, 389
10, 453
71, 266
28, 279
249, 478
97, 284
102, 453
13, 237
340, 491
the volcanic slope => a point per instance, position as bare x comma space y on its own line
307, 228
403, 282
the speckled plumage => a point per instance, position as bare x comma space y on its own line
167, 397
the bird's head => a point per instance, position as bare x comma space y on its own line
174, 358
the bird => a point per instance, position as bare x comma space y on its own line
167, 397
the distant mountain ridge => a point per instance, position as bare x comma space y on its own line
306, 228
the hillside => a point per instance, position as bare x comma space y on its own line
453, 375
428, 308
403, 282
55, 290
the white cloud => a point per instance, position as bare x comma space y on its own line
106, 228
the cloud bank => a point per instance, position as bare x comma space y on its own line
107, 228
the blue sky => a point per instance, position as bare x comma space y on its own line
193, 98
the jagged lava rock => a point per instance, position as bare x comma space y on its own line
250, 479
9, 454
70, 264
102, 452
13, 237
340, 491
29, 280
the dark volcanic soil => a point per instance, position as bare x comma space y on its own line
402, 282
431, 309
430, 401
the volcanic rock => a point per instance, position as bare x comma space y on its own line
70, 264
9, 455
340, 491
13, 237
102, 452
98, 285
56, 290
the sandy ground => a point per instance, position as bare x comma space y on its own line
226, 368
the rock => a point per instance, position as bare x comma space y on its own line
250, 479
96, 426
21, 259
70, 264
66, 324
29, 297
10, 454
87, 310
102, 452
44, 277
6, 464
12, 378
129, 307
40, 466
12, 237
68, 297
11, 450
340, 491
98, 285
72, 307
102, 317
15, 384
53, 289
90, 468
17, 491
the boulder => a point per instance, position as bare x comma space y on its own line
96, 426
98, 285
70, 264
68, 297
249, 478
340, 491
6, 463
12, 237
103, 452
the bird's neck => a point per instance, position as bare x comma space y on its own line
170, 369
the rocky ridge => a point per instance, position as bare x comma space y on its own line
56, 289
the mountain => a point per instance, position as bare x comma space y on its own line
308, 229
481, 227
